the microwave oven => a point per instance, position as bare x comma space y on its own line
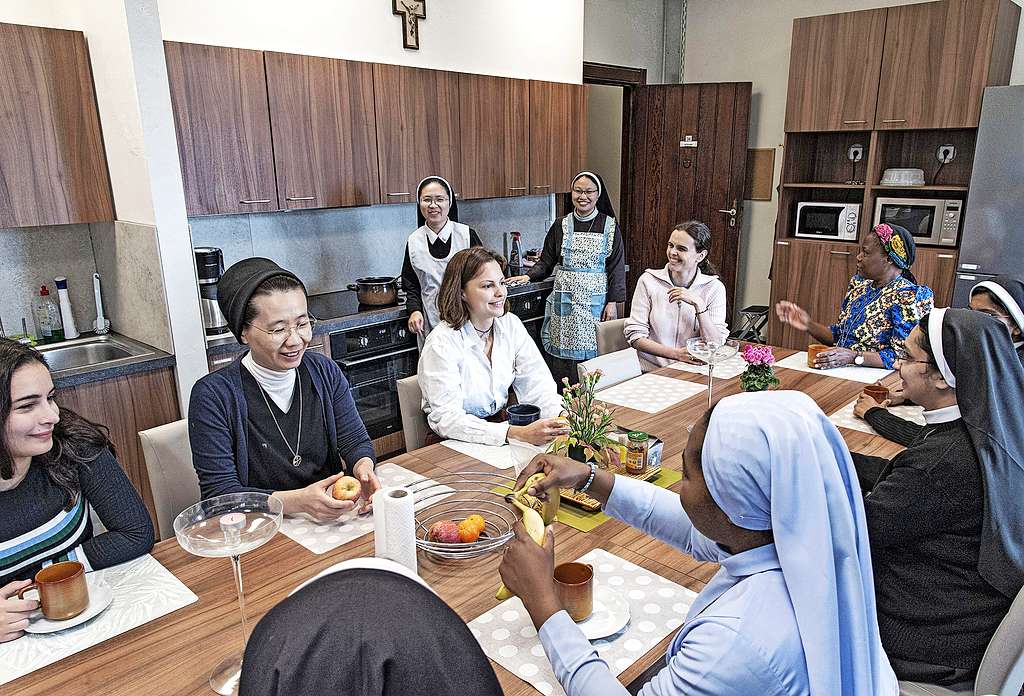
929, 220
829, 221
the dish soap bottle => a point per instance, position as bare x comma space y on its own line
47, 316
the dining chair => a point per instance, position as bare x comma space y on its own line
610, 336
171, 474
616, 367
414, 421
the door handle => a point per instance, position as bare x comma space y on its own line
731, 212
943, 256
782, 243
839, 253
853, 122
300, 198
894, 120
400, 193
255, 202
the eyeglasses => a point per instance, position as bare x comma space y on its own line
584, 192
1000, 317
304, 330
901, 361
435, 200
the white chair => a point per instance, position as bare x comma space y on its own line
414, 421
617, 367
171, 474
1002, 666
610, 336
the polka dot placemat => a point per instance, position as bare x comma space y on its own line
844, 417
727, 369
867, 375
657, 608
650, 392
321, 537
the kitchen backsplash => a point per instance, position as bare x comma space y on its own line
330, 248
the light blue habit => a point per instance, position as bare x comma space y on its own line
793, 617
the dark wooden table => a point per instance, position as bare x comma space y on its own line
175, 654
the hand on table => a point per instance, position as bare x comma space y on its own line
681, 295
14, 612
865, 403
683, 355
793, 314
316, 500
539, 432
516, 280
834, 357
528, 569
416, 322
363, 470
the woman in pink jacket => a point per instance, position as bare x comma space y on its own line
682, 300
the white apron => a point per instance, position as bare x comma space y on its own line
430, 270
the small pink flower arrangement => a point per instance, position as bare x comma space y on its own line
589, 421
759, 375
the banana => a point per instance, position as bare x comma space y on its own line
534, 527
547, 508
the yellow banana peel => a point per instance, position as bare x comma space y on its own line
532, 520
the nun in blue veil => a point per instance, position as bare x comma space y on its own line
770, 493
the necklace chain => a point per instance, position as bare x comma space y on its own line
296, 457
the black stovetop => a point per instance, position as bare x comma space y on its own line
343, 303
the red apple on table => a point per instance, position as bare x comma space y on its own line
346, 488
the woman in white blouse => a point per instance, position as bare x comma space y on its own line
477, 353
683, 300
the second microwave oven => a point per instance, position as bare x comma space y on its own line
829, 221
929, 220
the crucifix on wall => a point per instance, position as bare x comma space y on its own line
411, 11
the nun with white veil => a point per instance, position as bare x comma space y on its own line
769, 492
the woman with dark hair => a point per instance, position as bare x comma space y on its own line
1003, 298
477, 354
280, 419
682, 300
55, 467
882, 305
586, 253
945, 516
438, 237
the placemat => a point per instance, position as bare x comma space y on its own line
868, 375
727, 369
143, 591
657, 607
650, 392
584, 521
844, 417
321, 537
498, 456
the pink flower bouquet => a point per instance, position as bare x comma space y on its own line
759, 375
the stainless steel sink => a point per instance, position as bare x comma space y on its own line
91, 351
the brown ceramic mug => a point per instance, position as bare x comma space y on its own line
812, 352
574, 583
63, 591
877, 392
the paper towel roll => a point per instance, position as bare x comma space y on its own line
394, 526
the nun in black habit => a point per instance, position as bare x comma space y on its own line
324, 640
944, 516
1003, 298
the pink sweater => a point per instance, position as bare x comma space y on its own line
652, 316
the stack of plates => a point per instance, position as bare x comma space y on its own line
903, 177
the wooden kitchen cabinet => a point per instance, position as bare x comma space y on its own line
936, 268
558, 135
493, 114
222, 119
52, 164
323, 123
833, 71
417, 120
938, 57
126, 405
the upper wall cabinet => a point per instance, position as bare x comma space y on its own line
417, 129
53, 170
493, 114
219, 98
325, 142
558, 135
939, 57
833, 71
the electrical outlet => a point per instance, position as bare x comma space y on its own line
855, 153
945, 153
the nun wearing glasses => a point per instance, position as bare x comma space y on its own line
280, 419
431, 246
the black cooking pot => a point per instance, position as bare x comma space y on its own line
376, 290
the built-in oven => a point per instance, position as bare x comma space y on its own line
529, 307
374, 357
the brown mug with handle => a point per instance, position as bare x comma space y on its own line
574, 583
63, 591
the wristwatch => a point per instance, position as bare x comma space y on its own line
859, 360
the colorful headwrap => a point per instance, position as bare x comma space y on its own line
898, 244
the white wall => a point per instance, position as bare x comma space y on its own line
536, 39
733, 40
629, 33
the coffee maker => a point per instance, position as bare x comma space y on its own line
209, 268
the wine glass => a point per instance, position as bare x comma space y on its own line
711, 352
229, 525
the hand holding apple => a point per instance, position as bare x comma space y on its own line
346, 488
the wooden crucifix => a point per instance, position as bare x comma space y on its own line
411, 11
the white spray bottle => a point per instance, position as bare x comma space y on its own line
66, 317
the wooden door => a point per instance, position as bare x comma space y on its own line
558, 135
53, 170
937, 60
814, 275
834, 64
325, 139
936, 268
688, 162
219, 99
417, 115
493, 115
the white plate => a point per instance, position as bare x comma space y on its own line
100, 597
611, 614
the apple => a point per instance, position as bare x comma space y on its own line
445, 532
346, 488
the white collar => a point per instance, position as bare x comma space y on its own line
585, 218
1018, 344
279, 386
947, 414
444, 235
384, 564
